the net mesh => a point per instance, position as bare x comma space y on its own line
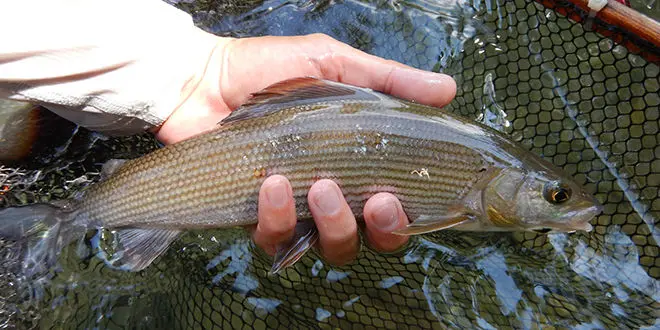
585, 101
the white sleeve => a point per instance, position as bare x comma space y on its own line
117, 66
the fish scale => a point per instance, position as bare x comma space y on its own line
332, 150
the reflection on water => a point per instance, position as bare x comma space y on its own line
573, 96
493, 115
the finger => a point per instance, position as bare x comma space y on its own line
336, 223
254, 63
346, 64
276, 212
383, 213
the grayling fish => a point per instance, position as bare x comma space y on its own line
448, 172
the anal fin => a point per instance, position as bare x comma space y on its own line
139, 247
304, 238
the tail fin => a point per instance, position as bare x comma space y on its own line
42, 231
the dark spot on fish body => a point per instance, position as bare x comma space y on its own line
370, 142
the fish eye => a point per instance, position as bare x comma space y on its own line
542, 230
556, 192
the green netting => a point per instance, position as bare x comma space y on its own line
574, 96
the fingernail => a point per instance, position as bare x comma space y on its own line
277, 194
328, 200
386, 217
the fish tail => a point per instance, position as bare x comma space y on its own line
41, 231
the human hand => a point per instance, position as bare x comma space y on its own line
245, 66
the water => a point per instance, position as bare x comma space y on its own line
579, 99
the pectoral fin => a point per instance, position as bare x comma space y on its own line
428, 225
304, 238
139, 247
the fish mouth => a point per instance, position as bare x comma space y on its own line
574, 220
579, 219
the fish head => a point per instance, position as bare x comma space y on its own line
542, 201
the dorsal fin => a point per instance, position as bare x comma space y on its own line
296, 92
298, 88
